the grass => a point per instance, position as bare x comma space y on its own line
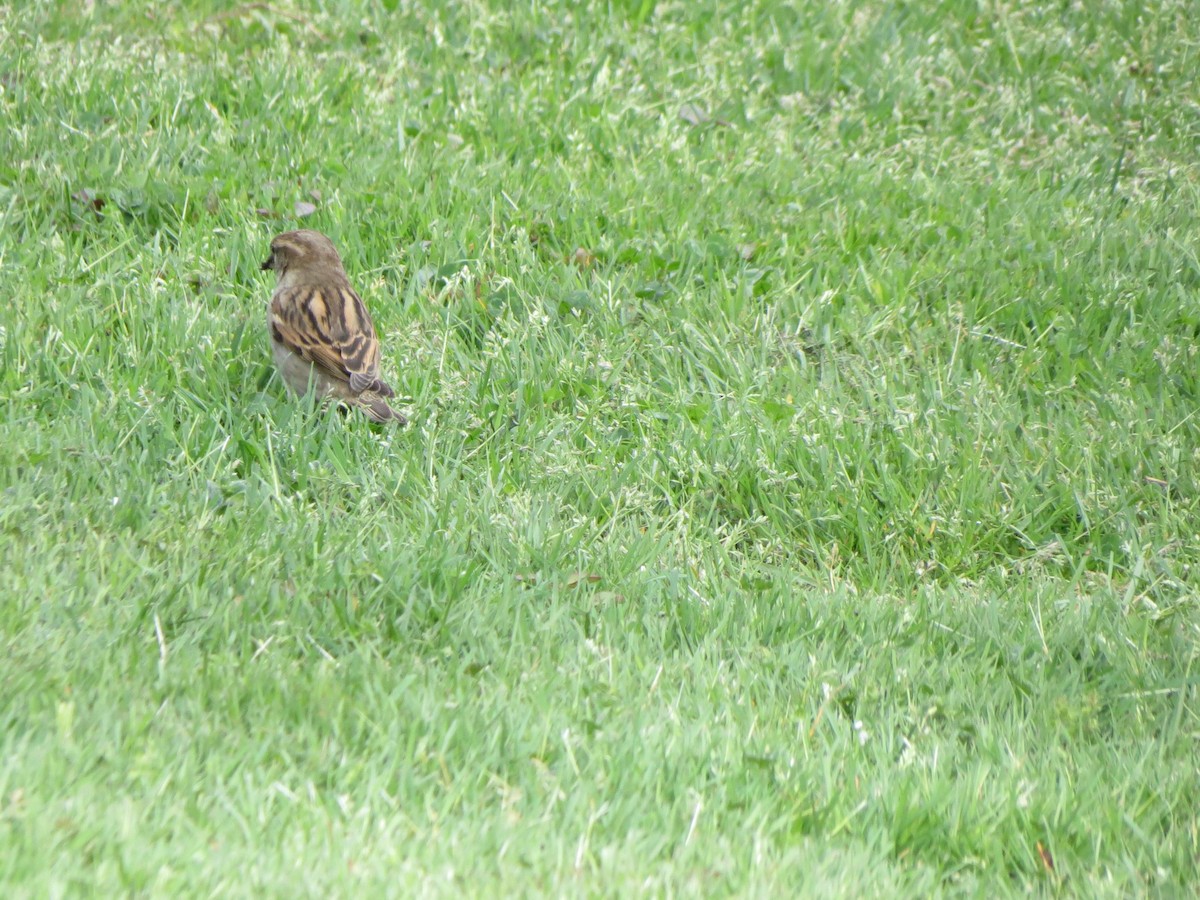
801, 496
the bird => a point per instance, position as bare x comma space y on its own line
322, 337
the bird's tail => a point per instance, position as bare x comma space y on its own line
377, 410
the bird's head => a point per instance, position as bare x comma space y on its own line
297, 252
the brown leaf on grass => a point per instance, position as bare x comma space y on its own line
90, 198
266, 213
746, 251
577, 578
304, 208
1047, 859
582, 258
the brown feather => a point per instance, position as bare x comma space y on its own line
317, 331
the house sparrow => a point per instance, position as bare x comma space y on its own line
322, 337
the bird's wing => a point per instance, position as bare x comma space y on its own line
330, 328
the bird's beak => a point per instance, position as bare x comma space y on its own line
269, 264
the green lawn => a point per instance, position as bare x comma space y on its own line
802, 493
